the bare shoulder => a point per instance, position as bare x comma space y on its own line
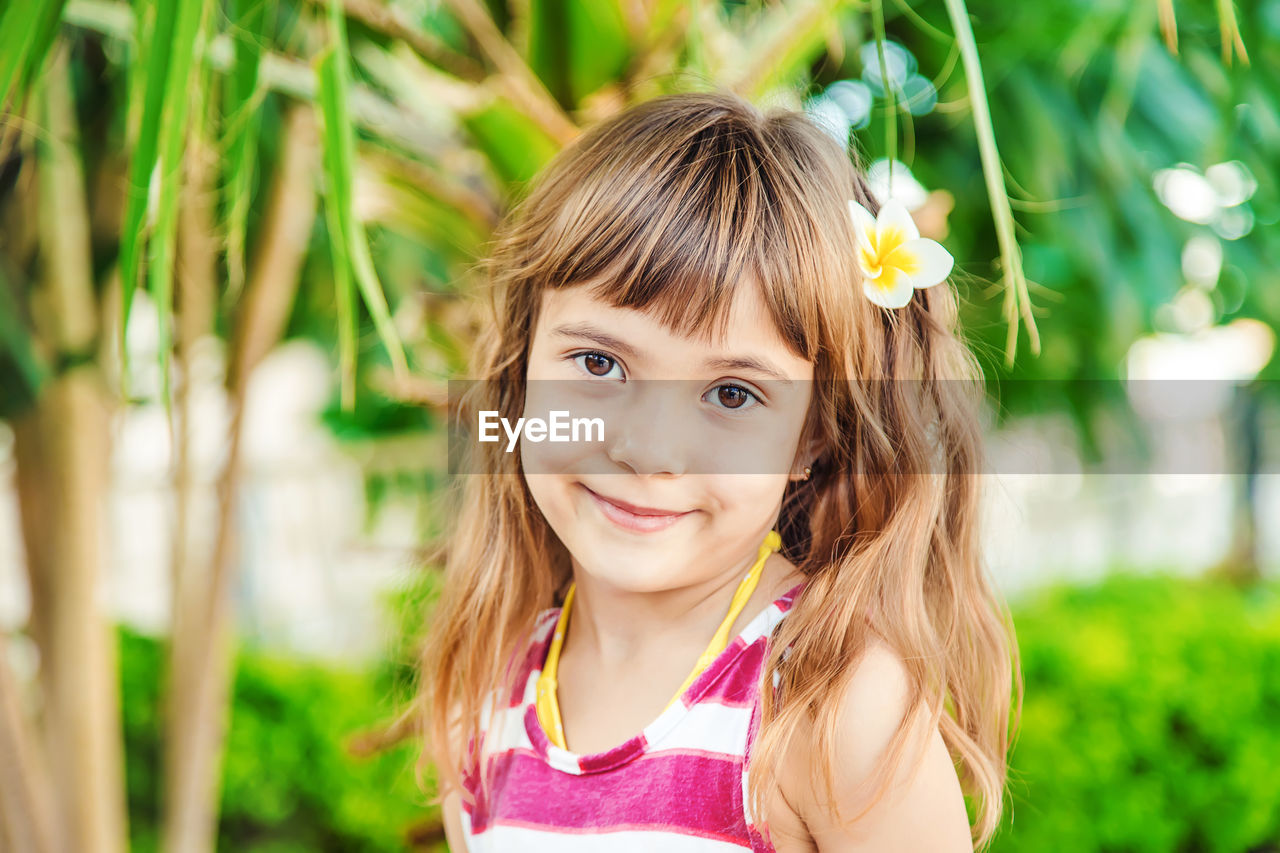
923, 808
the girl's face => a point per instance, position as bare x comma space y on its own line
699, 439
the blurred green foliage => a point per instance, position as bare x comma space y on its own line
1151, 723
1151, 720
289, 785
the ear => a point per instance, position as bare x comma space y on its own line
811, 447
812, 443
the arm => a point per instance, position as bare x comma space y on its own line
451, 804
451, 814
920, 811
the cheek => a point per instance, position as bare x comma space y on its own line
745, 499
570, 428
717, 446
543, 490
552, 495
566, 459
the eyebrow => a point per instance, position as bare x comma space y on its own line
604, 339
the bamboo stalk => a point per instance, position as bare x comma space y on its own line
78, 671
196, 291
26, 795
202, 647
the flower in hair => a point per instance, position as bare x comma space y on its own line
892, 255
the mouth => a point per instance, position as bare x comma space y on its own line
635, 518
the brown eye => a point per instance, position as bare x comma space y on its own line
597, 364
733, 396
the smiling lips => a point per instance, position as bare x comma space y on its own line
635, 518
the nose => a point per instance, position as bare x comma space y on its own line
648, 438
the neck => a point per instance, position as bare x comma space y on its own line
617, 625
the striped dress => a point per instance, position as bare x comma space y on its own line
677, 786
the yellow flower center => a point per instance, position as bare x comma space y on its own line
883, 245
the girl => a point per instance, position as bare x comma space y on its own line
860, 674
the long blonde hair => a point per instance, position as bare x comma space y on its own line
665, 208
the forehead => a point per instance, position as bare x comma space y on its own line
748, 332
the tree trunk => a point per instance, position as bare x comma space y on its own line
1242, 564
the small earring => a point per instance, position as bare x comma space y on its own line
807, 471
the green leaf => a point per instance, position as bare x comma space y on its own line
886, 82
144, 15
347, 239
156, 168
26, 32
157, 32
336, 192
179, 77
17, 344
577, 46
516, 147
248, 31
1017, 299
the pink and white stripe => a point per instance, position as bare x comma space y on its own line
679, 785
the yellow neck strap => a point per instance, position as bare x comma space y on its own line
549, 708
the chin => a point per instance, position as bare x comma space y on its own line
626, 565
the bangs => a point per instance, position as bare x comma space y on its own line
671, 211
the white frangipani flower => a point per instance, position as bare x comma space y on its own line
893, 257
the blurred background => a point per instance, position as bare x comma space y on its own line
237, 251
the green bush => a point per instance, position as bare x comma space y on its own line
1151, 719
1151, 723
288, 784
